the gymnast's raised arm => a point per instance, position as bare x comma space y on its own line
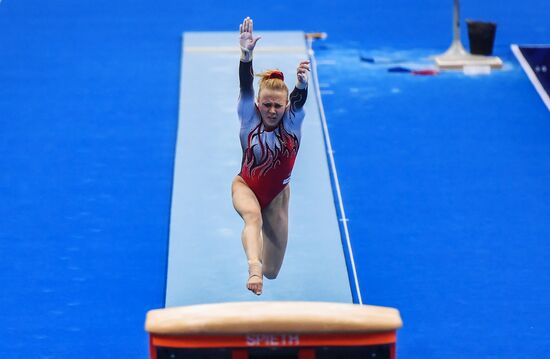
247, 43
298, 96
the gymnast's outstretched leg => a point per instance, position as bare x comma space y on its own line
275, 233
248, 207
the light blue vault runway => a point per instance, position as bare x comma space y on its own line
206, 262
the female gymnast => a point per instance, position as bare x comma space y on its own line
270, 137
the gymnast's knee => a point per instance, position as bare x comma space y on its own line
253, 218
270, 272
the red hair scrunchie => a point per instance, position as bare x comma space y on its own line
276, 75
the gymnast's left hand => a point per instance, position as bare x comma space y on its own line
301, 74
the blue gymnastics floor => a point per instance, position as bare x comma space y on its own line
452, 204
444, 179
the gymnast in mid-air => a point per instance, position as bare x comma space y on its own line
270, 138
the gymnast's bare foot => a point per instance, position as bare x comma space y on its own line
255, 278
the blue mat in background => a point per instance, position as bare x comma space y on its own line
444, 178
448, 201
535, 61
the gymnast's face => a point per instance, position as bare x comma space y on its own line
272, 105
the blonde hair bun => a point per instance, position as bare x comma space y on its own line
272, 79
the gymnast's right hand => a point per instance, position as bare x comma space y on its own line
247, 40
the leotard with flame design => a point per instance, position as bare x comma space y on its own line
268, 156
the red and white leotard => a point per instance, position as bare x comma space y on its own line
268, 156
